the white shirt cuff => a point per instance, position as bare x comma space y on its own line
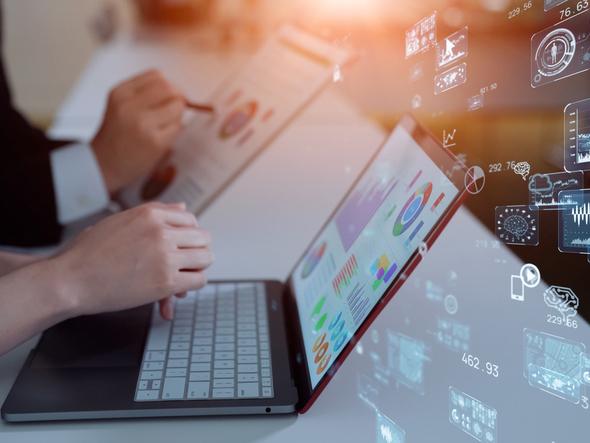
79, 186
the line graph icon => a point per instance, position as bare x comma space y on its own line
574, 221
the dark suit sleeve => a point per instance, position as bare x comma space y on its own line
28, 214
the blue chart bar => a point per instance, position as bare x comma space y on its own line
415, 231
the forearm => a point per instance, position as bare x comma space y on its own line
10, 262
32, 299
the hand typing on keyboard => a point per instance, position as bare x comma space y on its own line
136, 257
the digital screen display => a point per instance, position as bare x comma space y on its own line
366, 244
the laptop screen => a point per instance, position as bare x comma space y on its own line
374, 233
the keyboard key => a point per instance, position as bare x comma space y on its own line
183, 322
203, 341
151, 375
200, 376
153, 366
224, 356
225, 331
264, 354
224, 339
265, 363
204, 324
248, 368
224, 364
223, 392
250, 350
155, 356
224, 347
246, 334
201, 358
247, 377
266, 381
173, 388
203, 333
224, 373
181, 330
247, 390
200, 367
265, 372
147, 395
177, 363
225, 324
179, 346
176, 372
198, 390
159, 333
181, 337
202, 349
178, 354
247, 342
143, 384
247, 359
266, 392
223, 383
156, 384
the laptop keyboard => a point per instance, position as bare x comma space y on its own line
217, 347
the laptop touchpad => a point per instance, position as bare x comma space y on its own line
106, 340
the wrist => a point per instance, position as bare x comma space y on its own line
63, 284
104, 161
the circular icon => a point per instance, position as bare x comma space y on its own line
475, 180
451, 304
238, 119
412, 209
555, 52
530, 275
312, 259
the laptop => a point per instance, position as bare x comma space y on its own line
255, 347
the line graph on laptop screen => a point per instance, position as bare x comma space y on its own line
372, 235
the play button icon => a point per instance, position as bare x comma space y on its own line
530, 275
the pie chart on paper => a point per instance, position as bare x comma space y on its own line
238, 119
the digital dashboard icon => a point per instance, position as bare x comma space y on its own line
517, 225
456, 76
530, 275
544, 189
559, 51
577, 136
452, 48
412, 209
388, 431
574, 221
475, 179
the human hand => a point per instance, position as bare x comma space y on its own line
133, 258
142, 119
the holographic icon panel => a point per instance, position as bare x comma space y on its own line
561, 50
517, 225
577, 136
544, 188
550, 4
574, 221
456, 76
421, 36
452, 48
406, 358
472, 416
388, 431
552, 364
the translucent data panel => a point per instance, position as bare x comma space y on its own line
561, 50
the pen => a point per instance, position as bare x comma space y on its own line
200, 107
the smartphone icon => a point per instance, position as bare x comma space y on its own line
516, 288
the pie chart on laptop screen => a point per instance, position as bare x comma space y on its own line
238, 119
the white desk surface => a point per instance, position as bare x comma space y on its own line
261, 225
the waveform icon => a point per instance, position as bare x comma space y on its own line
581, 214
581, 241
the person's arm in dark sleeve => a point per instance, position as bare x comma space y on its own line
28, 211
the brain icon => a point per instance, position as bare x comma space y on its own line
563, 300
523, 169
516, 225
